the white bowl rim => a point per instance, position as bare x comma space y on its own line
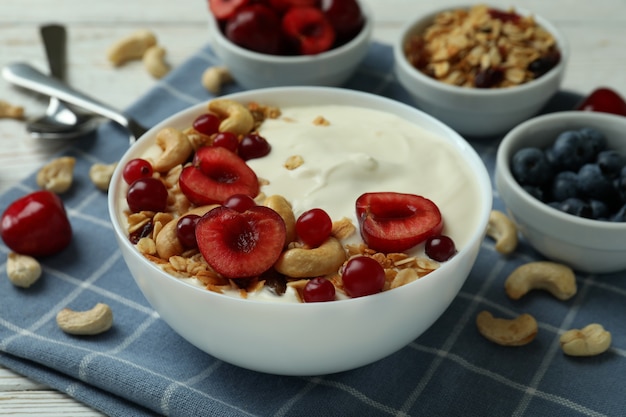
452, 137
363, 36
400, 57
504, 155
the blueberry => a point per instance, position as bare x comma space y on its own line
620, 216
599, 210
611, 163
564, 186
593, 184
536, 192
570, 151
530, 167
575, 206
619, 184
594, 139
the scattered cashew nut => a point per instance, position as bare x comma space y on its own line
166, 241
131, 47
556, 278
57, 175
236, 117
503, 231
100, 175
176, 149
10, 111
90, 322
23, 270
214, 77
154, 61
306, 263
281, 206
591, 340
507, 332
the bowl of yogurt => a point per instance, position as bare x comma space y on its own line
328, 148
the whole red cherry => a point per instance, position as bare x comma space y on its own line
604, 100
255, 27
36, 225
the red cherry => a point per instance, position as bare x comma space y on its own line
345, 16
313, 227
224, 9
186, 230
255, 27
604, 100
283, 5
318, 290
308, 29
240, 202
396, 222
36, 225
362, 276
135, 169
148, 194
207, 124
440, 248
253, 146
226, 140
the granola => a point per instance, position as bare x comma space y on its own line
484, 48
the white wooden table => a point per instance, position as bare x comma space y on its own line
595, 30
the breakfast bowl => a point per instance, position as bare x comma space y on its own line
254, 69
477, 88
586, 244
266, 333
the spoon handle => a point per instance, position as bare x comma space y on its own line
26, 76
54, 40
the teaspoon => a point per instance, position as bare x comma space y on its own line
59, 121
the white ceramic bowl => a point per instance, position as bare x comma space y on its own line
586, 245
477, 112
256, 70
315, 338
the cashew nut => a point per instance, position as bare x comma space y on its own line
236, 117
95, 321
306, 263
214, 77
131, 47
556, 278
154, 61
503, 231
589, 341
166, 241
23, 270
10, 111
100, 175
514, 332
281, 206
57, 175
176, 149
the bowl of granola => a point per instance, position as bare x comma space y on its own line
479, 69
307, 236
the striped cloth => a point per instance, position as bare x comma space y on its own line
141, 367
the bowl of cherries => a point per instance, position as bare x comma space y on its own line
562, 177
273, 43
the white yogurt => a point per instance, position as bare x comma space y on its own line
361, 150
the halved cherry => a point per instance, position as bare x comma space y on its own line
241, 245
396, 222
308, 29
215, 175
604, 100
224, 9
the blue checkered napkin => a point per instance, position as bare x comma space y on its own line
141, 367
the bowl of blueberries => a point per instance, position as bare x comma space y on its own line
562, 178
290, 42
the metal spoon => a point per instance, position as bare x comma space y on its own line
26, 76
59, 121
